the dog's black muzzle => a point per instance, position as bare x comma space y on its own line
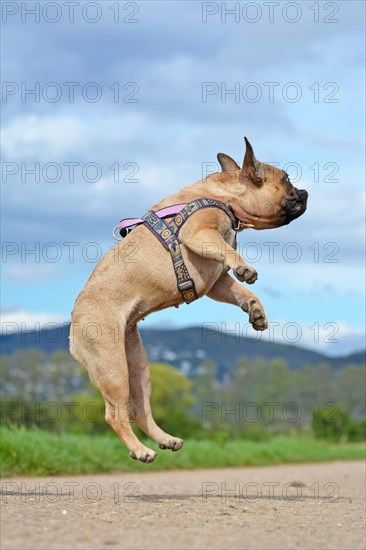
295, 206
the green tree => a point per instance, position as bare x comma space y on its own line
350, 383
330, 422
171, 400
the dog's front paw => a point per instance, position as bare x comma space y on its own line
246, 274
257, 316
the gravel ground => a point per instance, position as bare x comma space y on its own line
302, 506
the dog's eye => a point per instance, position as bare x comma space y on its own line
286, 180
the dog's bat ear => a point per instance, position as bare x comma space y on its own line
227, 163
251, 167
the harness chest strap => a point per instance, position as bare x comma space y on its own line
161, 230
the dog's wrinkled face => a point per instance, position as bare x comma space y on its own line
262, 195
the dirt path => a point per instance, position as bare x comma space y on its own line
307, 506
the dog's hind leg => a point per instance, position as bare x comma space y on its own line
106, 361
140, 392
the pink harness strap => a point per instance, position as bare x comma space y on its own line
162, 213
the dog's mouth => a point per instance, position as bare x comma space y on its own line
295, 205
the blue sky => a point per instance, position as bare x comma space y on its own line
130, 104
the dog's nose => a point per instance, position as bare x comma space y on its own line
303, 194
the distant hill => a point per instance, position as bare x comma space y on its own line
186, 349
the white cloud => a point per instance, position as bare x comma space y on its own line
20, 320
31, 272
44, 137
49, 138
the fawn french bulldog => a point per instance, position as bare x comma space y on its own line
137, 277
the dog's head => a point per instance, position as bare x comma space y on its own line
260, 195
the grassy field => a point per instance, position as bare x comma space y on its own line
37, 453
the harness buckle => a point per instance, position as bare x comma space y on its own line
237, 228
188, 290
114, 234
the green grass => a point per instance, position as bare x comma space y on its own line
37, 453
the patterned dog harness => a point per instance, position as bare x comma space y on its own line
168, 234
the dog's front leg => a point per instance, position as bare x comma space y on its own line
229, 291
209, 244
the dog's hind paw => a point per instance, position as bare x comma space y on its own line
174, 444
